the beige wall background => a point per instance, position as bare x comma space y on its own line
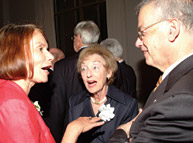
122, 25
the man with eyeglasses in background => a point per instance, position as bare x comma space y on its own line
165, 36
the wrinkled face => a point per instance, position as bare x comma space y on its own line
153, 42
94, 73
42, 58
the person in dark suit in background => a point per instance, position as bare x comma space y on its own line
125, 75
66, 81
42, 92
165, 31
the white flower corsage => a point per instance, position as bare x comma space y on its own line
106, 112
36, 104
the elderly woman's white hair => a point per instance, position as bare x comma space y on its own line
114, 46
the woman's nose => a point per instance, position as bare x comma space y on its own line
50, 56
89, 73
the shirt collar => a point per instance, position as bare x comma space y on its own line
83, 47
120, 61
112, 93
116, 94
170, 68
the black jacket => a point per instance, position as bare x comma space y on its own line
167, 116
66, 83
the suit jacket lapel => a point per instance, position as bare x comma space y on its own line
183, 68
155, 96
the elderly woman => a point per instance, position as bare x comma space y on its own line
24, 61
97, 67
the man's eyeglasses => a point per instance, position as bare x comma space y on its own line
141, 32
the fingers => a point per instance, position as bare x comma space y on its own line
100, 123
90, 118
94, 119
126, 127
90, 123
97, 119
140, 110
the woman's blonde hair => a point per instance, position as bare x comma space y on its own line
110, 61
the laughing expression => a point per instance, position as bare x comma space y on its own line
94, 74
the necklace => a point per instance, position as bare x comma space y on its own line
95, 102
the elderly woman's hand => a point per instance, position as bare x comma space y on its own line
78, 126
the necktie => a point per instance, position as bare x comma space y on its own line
158, 83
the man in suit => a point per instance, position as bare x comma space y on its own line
66, 81
125, 75
165, 31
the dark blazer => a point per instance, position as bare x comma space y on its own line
126, 108
167, 115
126, 79
66, 82
42, 93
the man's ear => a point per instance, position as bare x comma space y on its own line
174, 30
79, 40
78, 36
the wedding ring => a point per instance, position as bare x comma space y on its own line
90, 118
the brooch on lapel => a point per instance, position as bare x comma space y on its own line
106, 112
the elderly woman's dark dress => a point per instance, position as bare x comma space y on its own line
126, 109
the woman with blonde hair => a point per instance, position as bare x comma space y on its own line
97, 67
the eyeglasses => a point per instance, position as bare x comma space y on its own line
141, 32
